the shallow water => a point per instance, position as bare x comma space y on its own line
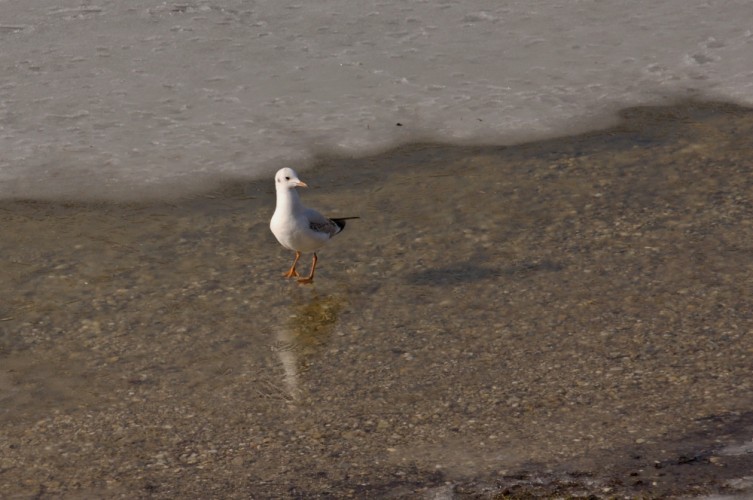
571, 314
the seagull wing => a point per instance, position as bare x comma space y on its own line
321, 224
324, 225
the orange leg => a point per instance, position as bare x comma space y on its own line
311, 275
292, 272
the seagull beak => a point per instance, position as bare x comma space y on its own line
301, 184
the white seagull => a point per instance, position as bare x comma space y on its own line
299, 228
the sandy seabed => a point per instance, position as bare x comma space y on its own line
569, 317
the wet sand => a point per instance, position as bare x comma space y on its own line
567, 317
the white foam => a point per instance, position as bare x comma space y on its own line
149, 98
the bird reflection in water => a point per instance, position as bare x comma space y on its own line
303, 335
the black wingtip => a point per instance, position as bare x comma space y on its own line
341, 221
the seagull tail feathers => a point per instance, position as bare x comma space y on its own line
340, 222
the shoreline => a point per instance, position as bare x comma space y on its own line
570, 317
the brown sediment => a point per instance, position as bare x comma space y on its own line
566, 317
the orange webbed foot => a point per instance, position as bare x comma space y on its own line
292, 272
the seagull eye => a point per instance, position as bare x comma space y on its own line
287, 178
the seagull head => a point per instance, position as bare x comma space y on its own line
287, 178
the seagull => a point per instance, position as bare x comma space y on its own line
299, 228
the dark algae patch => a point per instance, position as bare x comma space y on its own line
568, 318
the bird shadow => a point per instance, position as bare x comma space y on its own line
472, 271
